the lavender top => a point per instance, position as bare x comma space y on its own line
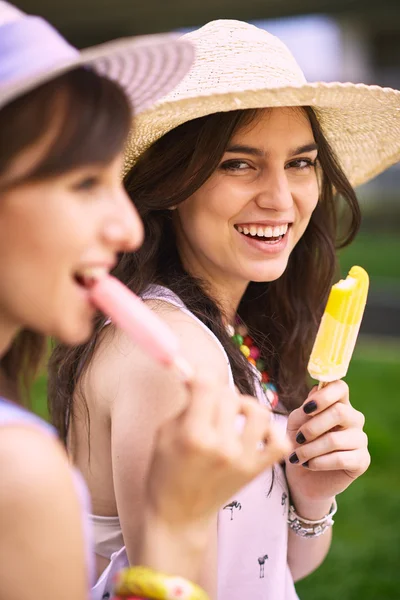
12, 414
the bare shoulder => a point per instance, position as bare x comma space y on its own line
120, 363
198, 344
34, 469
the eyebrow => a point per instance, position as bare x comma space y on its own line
253, 151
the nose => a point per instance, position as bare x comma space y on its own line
124, 229
275, 192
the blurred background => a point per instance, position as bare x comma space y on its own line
342, 40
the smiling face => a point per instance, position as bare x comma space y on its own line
244, 222
52, 230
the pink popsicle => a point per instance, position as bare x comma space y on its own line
131, 314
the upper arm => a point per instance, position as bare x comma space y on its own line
41, 543
146, 394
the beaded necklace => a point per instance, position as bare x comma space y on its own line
248, 348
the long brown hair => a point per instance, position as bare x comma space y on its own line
93, 121
282, 315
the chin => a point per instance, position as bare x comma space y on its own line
74, 334
271, 274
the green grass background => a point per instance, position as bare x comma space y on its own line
378, 253
364, 561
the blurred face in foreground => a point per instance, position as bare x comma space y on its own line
53, 232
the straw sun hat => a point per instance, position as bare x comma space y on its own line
33, 52
239, 66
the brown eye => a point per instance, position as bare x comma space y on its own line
235, 165
301, 164
87, 184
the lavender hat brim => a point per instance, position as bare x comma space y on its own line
146, 67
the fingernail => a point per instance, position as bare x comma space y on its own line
293, 458
305, 464
310, 407
300, 439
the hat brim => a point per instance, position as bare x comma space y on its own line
146, 67
361, 123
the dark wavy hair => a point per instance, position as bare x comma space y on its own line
92, 121
281, 315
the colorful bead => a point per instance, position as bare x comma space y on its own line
230, 330
260, 364
254, 352
272, 397
248, 341
238, 339
245, 350
264, 377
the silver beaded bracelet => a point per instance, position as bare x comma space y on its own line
310, 529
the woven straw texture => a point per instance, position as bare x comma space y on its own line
147, 67
239, 66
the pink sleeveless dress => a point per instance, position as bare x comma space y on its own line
252, 526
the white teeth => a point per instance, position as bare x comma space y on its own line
268, 231
276, 231
94, 272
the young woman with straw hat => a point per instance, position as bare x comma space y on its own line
243, 177
63, 212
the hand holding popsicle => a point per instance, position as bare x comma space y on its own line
326, 430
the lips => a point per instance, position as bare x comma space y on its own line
256, 237
87, 277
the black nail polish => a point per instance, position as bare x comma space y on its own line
300, 439
293, 458
310, 407
305, 464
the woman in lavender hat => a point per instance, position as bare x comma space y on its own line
64, 118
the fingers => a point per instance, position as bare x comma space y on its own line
318, 401
264, 443
232, 428
276, 448
337, 391
354, 463
326, 447
337, 415
257, 422
228, 412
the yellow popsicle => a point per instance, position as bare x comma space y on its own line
340, 324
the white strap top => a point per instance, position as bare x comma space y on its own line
252, 527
